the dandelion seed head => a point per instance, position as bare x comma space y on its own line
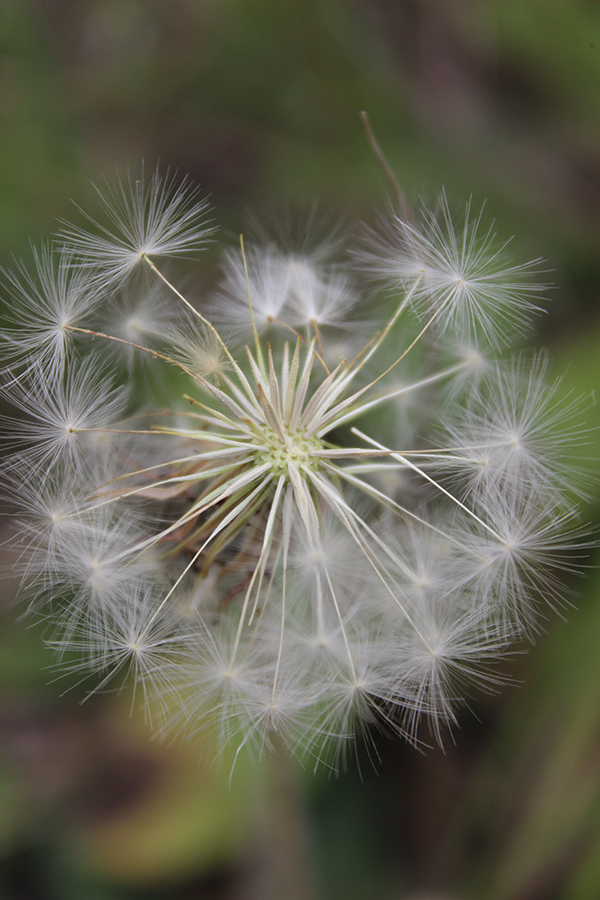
457, 273
306, 536
156, 218
200, 351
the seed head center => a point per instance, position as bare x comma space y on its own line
295, 449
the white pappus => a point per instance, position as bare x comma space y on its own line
277, 548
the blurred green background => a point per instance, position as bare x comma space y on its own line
258, 101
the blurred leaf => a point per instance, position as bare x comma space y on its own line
195, 819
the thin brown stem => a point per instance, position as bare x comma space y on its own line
403, 207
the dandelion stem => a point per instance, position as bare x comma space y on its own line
259, 355
387, 170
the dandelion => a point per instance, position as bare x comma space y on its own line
294, 289
458, 275
280, 549
62, 412
41, 307
161, 218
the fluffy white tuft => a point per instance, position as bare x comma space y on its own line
297, 542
